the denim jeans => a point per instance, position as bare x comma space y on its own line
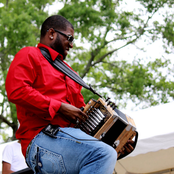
75, 154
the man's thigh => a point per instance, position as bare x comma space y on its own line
67, 153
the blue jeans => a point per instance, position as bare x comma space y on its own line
70, 155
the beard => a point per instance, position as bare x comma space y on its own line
58, 46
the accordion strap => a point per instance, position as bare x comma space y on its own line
58, 64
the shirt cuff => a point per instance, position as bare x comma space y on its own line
54, 107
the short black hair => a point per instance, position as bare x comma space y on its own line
57, 22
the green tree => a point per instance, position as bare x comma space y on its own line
20, 21
108, 27
104, 27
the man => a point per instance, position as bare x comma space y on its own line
12, 158
45, 96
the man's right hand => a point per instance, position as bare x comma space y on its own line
72, 113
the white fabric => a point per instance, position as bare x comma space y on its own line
153, 144
154, 121
12, 154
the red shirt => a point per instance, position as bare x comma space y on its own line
38, 89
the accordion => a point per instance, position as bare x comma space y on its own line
106, 123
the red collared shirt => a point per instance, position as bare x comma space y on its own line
38, 90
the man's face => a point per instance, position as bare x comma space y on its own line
61, 43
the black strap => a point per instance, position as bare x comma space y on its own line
58, 64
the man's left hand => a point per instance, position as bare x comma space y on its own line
127, 148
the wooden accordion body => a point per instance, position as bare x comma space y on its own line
108, 124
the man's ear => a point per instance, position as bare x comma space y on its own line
51, 33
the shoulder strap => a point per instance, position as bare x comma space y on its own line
58, 64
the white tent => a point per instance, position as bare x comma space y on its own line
154, 152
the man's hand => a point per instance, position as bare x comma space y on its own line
72, 113
127, 148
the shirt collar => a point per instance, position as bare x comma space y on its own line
54, 54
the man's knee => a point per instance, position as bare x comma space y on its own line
108, 152
112, 153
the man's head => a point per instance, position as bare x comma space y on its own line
57, 33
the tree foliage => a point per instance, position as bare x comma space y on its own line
104, 27
20, 21
109, 27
